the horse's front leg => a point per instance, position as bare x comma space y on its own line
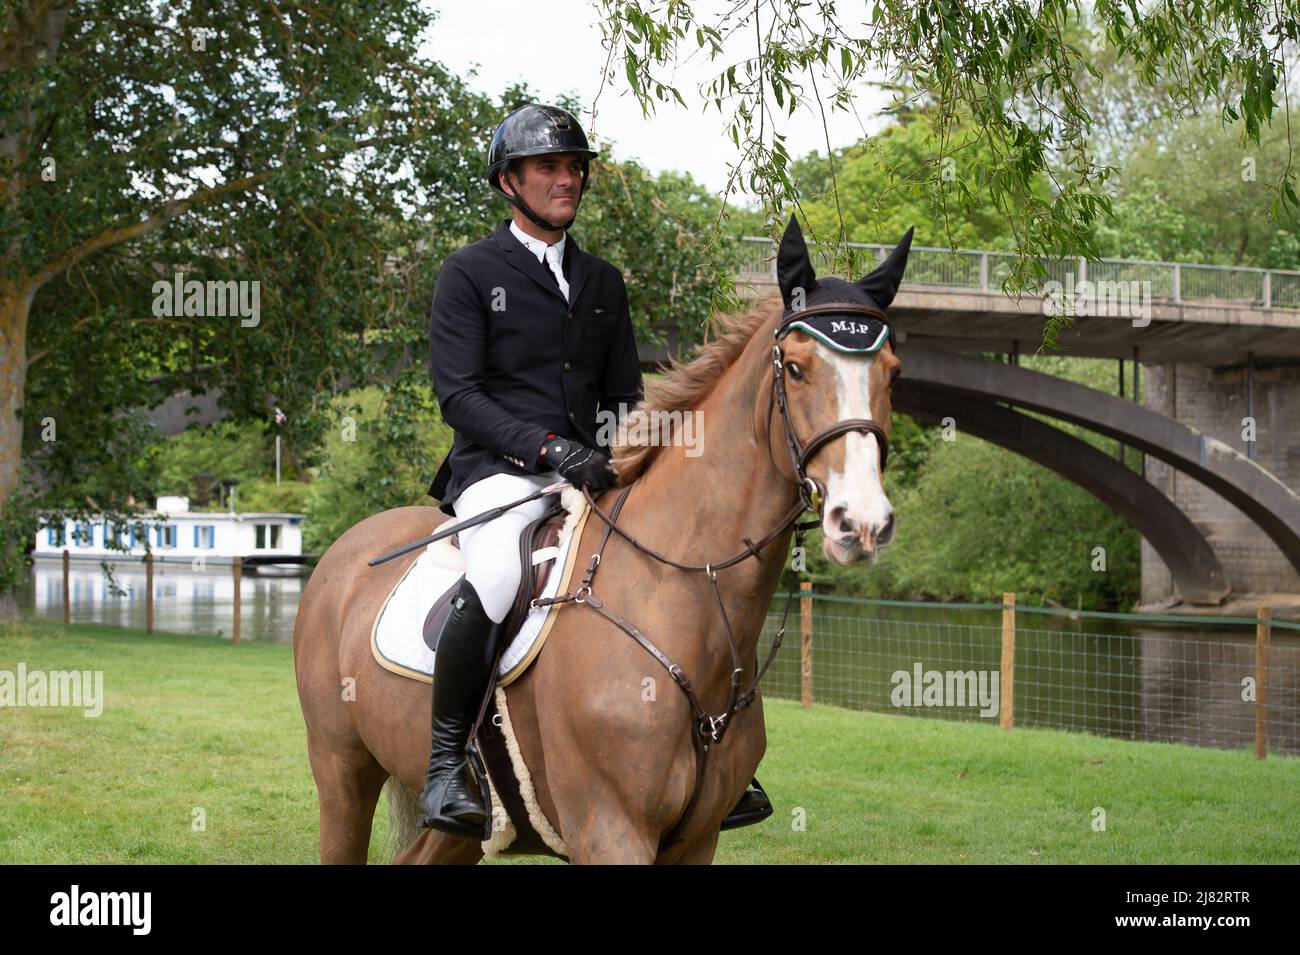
612, 839
604, 823
609, 822
699, 851
432, 847
617, 841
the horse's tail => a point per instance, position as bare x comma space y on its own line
403, 811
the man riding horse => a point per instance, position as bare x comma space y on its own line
527, 335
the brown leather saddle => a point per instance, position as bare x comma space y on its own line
543, 532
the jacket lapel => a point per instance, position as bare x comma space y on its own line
575, 267
524, 261
575, 263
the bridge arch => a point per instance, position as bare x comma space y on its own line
1273, 506
1196, 570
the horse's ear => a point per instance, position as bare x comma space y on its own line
882, 284
793, 269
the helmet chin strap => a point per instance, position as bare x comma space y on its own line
517, 200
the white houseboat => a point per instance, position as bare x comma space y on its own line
176, 534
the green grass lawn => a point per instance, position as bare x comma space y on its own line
194, 723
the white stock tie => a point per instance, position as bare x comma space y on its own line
553, 260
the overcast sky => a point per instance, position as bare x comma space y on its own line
556, 48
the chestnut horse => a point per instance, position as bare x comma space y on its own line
612, 770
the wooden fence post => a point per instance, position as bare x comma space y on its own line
1007, 699
1263, 625
148, 591
67, 595
805, 642
238, 568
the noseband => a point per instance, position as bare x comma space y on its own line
811, 491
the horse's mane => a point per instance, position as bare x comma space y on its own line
685, 385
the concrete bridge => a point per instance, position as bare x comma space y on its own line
1219, 422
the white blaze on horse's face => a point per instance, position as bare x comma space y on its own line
857, 518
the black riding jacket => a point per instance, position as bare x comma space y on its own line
512, 360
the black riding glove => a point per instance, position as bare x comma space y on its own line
578, 464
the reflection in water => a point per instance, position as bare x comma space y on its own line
184, 600
1200, 690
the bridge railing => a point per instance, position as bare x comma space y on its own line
985, 271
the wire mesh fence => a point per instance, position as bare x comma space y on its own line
1196, 680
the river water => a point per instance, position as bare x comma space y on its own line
184, 600
1179, 682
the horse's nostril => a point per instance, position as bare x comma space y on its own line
887, 531
838, 516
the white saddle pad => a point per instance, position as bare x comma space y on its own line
397, 638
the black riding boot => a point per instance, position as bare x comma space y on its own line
754, 806
462, 667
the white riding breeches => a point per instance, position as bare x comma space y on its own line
491, 549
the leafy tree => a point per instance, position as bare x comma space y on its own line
1010, 70
1149, 224
1283, 250
1191, 193
255, 143
263, 494
378, 454
908, 176
227, 450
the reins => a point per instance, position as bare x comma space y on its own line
708, 728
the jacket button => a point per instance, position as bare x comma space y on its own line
568, 366
573, 415
571, 315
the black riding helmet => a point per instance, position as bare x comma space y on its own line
534, 130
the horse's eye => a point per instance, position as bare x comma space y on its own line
794, 370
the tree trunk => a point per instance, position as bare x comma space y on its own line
300, 473
15, 303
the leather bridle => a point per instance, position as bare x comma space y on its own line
810, 489
709, 729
